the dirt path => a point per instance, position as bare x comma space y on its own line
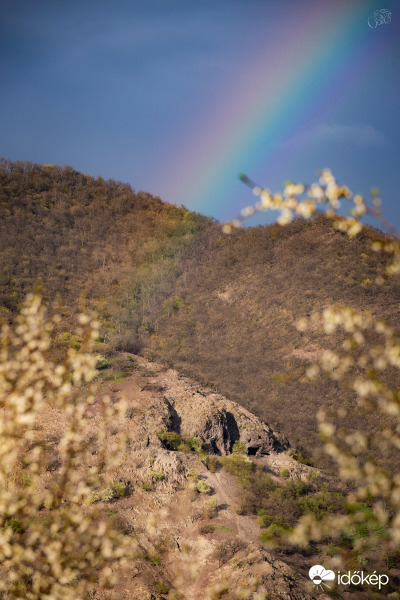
243, 527
226, 490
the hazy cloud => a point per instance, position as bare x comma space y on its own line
358, 135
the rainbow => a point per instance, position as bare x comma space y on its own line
288, 81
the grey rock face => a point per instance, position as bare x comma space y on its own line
217, 421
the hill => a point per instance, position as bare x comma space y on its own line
169, 284
74, 235
234, 328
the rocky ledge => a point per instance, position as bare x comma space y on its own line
193, 411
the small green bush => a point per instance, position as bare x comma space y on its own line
170, 439
299, 456
172, 304
183, 447
297, 488
239, 448
157, 475
116, 490
155, 560
274, 533
321, 503
15, 525
103, 363
69, 339
238, 465
162, 587
284, 473
264, 518
194, 443
26, 480
119, 488
202, 487
210, 509
313, 475
192, 474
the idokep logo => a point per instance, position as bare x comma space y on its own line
318, 575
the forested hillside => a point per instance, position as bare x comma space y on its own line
169, 284
76, 236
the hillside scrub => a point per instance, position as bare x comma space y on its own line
55, 541
368, 363
169, 284
222, 308
235, 330
71, 234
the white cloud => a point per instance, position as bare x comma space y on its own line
358, 135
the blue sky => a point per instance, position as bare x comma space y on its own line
125, 89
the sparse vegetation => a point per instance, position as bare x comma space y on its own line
181, 291
227, 332
162, 587
170, 439
52, 536
367, 362
157, 475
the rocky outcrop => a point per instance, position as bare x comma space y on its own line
176, 403
217, 421
182, 507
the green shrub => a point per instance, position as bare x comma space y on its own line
194, 443
238, 465
103, 364
170, 439
183, 447
26, 480
69, 339
202, 487
157, 475
239, 448
171, 305
119, 488
299, 456
284, 473
210, 509
154, 560
321, 503
274, 533
192, 474
162, 587
146, 486
313, 475
15, 525
264, 519
297, 488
